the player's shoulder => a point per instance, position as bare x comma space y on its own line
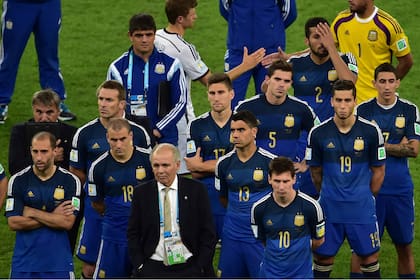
344, 15
249, 102
261, 203
201, 118
387, 18
265, 153
299, 58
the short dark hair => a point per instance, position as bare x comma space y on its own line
246, 116
45, 135
46, 97
117, 124
176, 8
313, 22
217, 78
113, 84
281, 64
141, 22
385, 67
344, 85
281, 165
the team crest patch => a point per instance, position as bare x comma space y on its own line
400, 122
258, 175
381, 153
9, 24
401, 45
191, 147
299, 220
320, 230
101, 273
59, 193
82, 250
373, 35
308, 153
332, 75
159, 68
74, 155
289, 121
10, 204
417, 128
140, 173
92, 190
359, 145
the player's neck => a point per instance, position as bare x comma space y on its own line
105, 121
123, 158
345, 125
221, 118
175, 28
367, 12
284, 201
319, 60
143, 55
45, 174
245, 153
386, 102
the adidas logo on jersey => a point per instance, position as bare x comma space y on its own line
331, 145
206, 139
303, 79
95, 146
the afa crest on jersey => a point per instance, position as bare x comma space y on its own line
289, 121
359, 144
332, 75
140, 173
299, 220
59, 193
258, 175
400, 122
373, 35
160, 68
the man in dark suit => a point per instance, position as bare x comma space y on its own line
45, 109
185, 247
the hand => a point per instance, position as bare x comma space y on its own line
194, 162
272, 57
327, 39
65, 208
59, 152
157, 134
252, 60
300, 167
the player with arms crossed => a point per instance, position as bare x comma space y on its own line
210, 139
399, 121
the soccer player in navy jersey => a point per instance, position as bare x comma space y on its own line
346, 155
88, 144
209, 140
399, 121
315, 72
285, 120
289, 222
112, 179
42, 204
242, 178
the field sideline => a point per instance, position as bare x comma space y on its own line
94, 33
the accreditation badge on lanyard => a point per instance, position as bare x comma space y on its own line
174, 250
138, 102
